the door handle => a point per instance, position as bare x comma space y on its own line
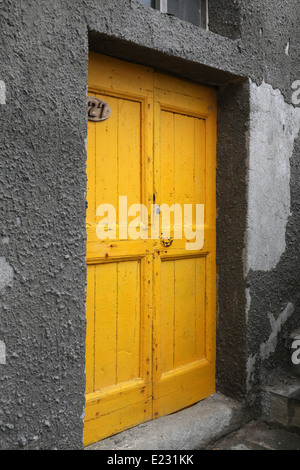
167, 242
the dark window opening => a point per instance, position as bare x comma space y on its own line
193, 11
149, 3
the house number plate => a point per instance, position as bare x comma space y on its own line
98, 110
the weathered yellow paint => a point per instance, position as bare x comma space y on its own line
185, 292
151, 310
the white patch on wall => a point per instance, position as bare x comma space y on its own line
274, 126
248, 303
250, 370
6, 274
269, 347
2, 353
287, 49
2, 92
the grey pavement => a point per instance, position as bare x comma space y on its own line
257, 435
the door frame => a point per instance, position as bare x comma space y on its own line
232, 156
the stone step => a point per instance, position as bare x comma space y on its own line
281, 402
194, 428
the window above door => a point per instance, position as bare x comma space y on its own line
193, 11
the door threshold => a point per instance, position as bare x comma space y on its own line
193, 428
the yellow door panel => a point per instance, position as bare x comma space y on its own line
117, 317
182, 304
183, 387
119, 292
185, 173
151, 301
114, 156
120, 368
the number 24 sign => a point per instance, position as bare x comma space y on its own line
98, 110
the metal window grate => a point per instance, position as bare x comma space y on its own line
193, 11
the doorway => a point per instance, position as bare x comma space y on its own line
151, 285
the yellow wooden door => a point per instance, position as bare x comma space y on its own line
151, 308
185, 272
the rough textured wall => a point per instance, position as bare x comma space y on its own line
43, 52
43, 80
268, 36
270, 31
225, 17
274, 127
233, 116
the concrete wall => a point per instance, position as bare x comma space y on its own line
252, 57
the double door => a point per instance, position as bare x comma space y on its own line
151, 275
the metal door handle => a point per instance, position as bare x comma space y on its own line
167, 242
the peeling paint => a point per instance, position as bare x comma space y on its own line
269, 347
274, 126
2, 353
6, 274
2, 92
296, 94
287, 49
248, 303
250, 370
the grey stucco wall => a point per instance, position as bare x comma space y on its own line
271, 33
44, 55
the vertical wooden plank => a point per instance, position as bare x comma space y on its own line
211, 167
146, 319
200, 278
156, 273
157, 175
200, 163
167, 189
105, 325
128, 321
200, 307
146, 264
107, 156
147, 163
211, 306
185, 158
211, 269
184, 312
90, 332
129, 150
91, 174
167, 316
